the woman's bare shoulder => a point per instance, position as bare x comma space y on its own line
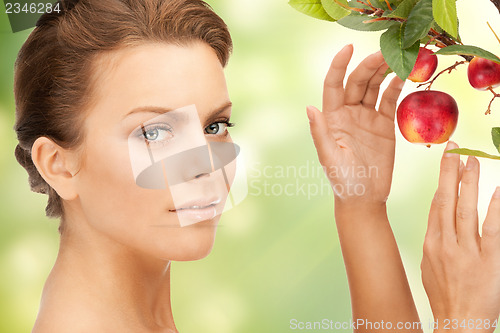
66, 306
66, 319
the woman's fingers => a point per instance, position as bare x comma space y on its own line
333, 90
467, 218
445, 200
390, 98
357, 83
434, 228
372, 91
325, 146
490, 240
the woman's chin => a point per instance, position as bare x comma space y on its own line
197, 255
192, 242
192, 253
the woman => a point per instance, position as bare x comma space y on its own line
87, 80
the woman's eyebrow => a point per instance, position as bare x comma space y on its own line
153, 109
220, 109
163, 110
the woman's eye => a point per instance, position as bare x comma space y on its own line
156, 134
219, 128
151, 135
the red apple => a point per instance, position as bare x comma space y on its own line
424, 67
483, 73
427, 117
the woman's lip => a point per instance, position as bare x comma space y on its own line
197, 205
197, 210
194, 215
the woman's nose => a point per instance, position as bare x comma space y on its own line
188, 165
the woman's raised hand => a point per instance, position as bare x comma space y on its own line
354, 141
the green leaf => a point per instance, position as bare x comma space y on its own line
335, 10
436, 27
495, 134
375, 3
458, 38
400, 60
419, 22
468, 50
440, 30
356, 4
312, 8
445, 14
425, 40
379, 4
355, 22
403, 9
471, 152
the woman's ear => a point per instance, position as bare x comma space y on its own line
55, 164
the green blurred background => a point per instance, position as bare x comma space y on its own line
276, 256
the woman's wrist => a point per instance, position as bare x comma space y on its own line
359, 208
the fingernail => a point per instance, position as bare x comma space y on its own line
471, 163
451, 145
497, 193
310, 113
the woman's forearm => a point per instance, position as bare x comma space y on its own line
380, 294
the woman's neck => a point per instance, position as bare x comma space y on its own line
122, 284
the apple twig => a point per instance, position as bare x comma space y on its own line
495, 95
441, 40
372, 11
441, 37
437, 42
369, 4
362, 11
385, 18
449, 69
388, 5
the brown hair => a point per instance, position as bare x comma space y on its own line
52, 84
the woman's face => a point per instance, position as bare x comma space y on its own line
135, 88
